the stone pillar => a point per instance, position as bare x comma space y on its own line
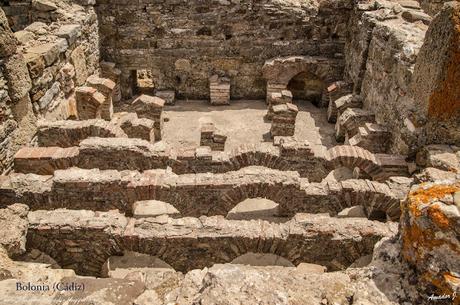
283, 121
272, 88
109, 70
128, 83
211, 137
335, 91
151, 107
89, 103
106, 87
278, 98
219, 88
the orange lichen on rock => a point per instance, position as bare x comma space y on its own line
442, 284
435, 192
438, 217
444, 103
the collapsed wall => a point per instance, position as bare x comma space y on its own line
40, 67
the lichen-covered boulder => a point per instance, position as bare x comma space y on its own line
430, 228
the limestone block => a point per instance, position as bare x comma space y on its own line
337, 107
17, 75
429, 234
413, 16
78, 60
24, 36
8, 42
44, 5
35, 64
254, 208
311, 268
355, 211
154, 208
70, 32
284, 119
436, 74
49, 96
89, 103
203, 153
278, 98
49, 52
13, 219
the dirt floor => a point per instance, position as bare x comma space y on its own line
243, 123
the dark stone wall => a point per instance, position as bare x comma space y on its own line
184, 42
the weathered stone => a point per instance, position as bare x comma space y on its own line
77, 58
49, 52
13, 220
17, 75
429, 235
44, 5
89, 103
8, 43
70, 32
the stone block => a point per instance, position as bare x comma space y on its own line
8, 43
70, 32
24, 36
49, 52
17, 75
154, 208
44, 5
89, 103
78, 60
150, 107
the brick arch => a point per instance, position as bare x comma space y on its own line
204, 254
253, 157
355, 156
371, 195
278, 72
279, 193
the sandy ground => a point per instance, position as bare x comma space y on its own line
243, 123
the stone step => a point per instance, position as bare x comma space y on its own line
350, 120
192, 243
373, 137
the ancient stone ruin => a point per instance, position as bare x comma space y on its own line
229, 152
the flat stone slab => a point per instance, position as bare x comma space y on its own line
153, 208
254, 208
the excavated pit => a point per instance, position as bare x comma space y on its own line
248, 152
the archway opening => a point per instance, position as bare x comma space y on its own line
254, 208
308, 87
262, 259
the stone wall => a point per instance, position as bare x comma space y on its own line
40, 67
184, 43
191, 243
394, 60
198, 194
